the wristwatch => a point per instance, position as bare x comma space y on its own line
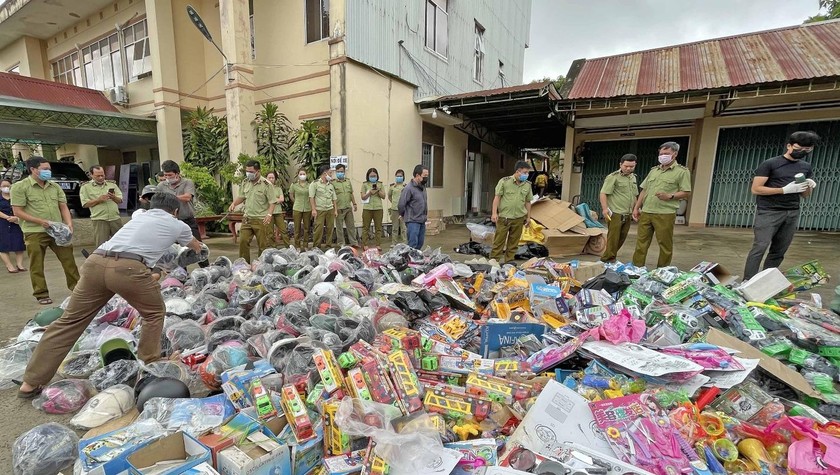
672, 196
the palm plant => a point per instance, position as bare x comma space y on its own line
206, 140
275, 137
312, 147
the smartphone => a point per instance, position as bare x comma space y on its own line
111, 190
374, 186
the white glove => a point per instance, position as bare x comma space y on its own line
811, 183
794, 187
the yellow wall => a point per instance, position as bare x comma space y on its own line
26, 52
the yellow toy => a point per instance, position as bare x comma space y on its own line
465, 430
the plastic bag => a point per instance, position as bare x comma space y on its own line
222, 337
13, 360
178, 306
118, 372
255, 327
105, 332
44, 449
185, 335
406, 453
187, 256
31, 332
532, 233
108, 405
411, 304
531, 249
193, 416
64, 397
481, 231
61, 233
80, 365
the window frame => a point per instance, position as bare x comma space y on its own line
433, 138
61, 73
479, 54
98, 62
146, 59
325, 29
435, 48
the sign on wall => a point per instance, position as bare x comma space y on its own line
336, 160
125, 174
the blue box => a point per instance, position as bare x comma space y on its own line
178, 446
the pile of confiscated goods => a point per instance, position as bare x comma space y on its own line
407, 363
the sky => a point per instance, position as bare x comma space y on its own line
565, 30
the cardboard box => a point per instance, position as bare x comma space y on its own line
561, 243
587, 270
714, 273
257, 455
435, 214
764, 285
216, 443
170, 455
121, 443
555, 215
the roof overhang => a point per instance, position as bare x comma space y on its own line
43, 19
35, 122
523, 116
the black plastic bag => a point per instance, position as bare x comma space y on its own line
530, 250
433, 301
610, 280
411, 304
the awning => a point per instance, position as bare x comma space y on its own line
519, 116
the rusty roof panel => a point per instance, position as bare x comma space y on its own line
794, 53
53, 93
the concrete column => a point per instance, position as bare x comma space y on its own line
165, 79
239, 92
703, 170
569, 156
48, 152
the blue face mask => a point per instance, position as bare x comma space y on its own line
45, 174
339, 175
373, 179
523, 177
400, 179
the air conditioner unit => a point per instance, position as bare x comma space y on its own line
118, 95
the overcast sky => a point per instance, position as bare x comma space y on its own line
565, 30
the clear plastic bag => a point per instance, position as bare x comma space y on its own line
61, 233
255, 327
13, 360
106, 406
406, 453
227, 356
105, 332
118, 372
64, 397
187, 256
193, 416
185, 335
44, 449
178, 306
223, 337
80, 365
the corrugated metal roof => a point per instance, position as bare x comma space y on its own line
49, 92
795, 53
535, 86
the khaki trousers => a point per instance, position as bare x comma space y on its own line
105, 230
372, 216
324, 224
617, 229
663, 226
345, 220
253, 227
281, 231
303, 226
508, 232
36, 248
397, 227
102, 277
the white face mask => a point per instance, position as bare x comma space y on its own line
302, 177
250, 175
5, 189
665, 159
172, 180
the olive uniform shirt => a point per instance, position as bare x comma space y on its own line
37, 201
324, 194
300, 194
621, 192
394, 193
671, 180
105, 211
375, 199
343, 193
258, 197
278, 208
514, 196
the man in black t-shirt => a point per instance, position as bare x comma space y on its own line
777, 201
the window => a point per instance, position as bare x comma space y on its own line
14, 69
138, 55
67, 70
317, 20
478, 54
103, 63
432, 153
436, 25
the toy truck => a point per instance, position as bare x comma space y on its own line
405, 381
329, 371
456, 405
262, 400
296, 414
496, 389
336, 442
357, 385
378, 383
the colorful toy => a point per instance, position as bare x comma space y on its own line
296, 414
328, 370
465, 430
405, 381
262, 401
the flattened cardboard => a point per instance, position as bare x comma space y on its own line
555, 214
767, 363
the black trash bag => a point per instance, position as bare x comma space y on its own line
118, 372
471, 248
412, 305
531, 250
610, 280
433, 301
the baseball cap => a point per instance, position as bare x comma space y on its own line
148, 191
106, 406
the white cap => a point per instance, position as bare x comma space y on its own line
106, 406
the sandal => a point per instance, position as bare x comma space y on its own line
29, 394
45, 301
13, 271
22, 269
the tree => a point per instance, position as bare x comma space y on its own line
275, 140
206, 140
829, 9
312, 147
558, 82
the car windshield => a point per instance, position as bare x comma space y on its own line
67, 171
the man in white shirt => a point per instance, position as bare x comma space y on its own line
119, 266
